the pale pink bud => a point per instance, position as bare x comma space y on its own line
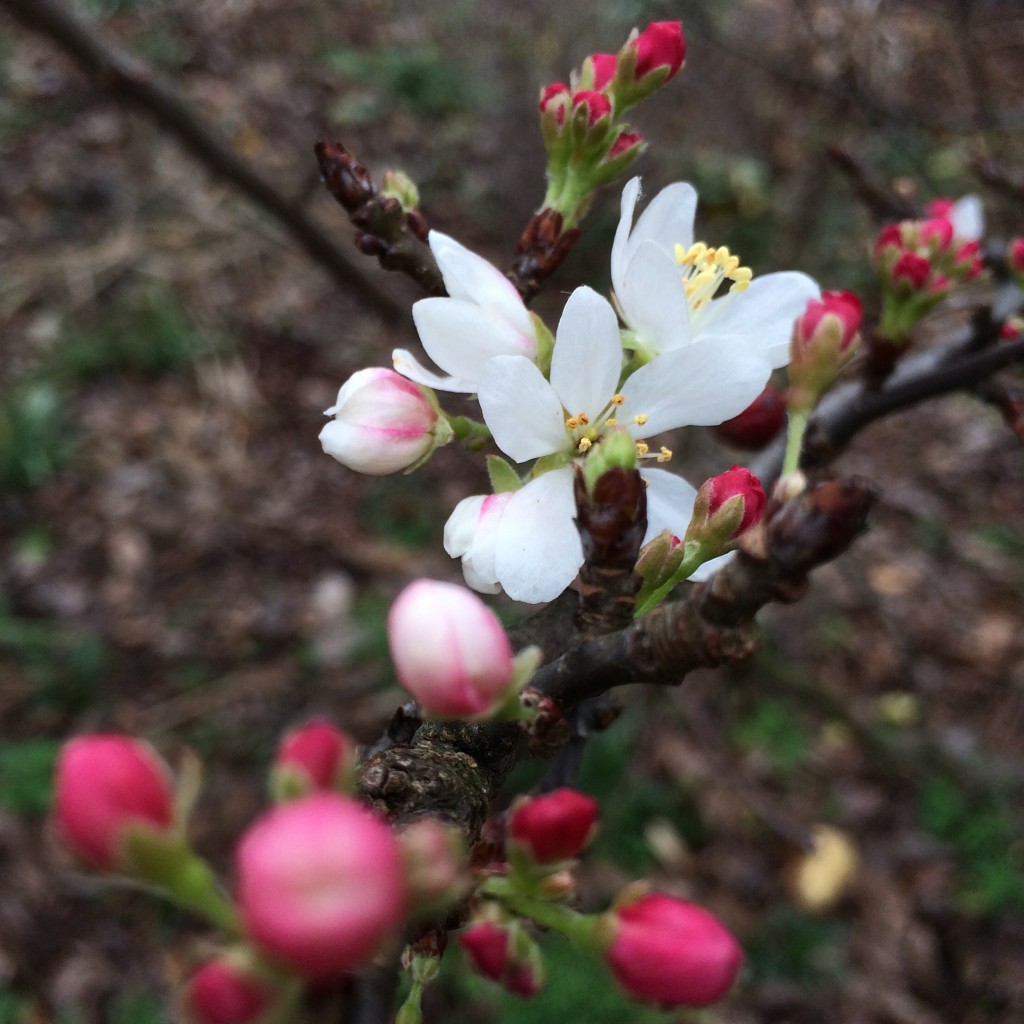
317, 755
505, 955
320, 884
758, 423
596, 104
672, 953
223, 991
449, 650
434, 857
553, 827
726, 507
660, 45
105, 786
382, 423
604, 67
624, 142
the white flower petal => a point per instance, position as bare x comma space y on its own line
460, 336
587, 358
669, 503
764, 313
968, 219
471, 533
538, 552
668, 219
470, 277
705, 383
408, 366
620, 246
653, 300
522, 411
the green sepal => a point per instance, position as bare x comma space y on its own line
502, 476
545, 344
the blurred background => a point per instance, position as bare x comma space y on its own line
181, 561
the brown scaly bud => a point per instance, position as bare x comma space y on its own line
540, 251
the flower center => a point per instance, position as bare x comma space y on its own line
584, 433
706, 269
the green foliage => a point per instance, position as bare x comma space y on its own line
574, 980
421, 79
26, 771
370, 614
36, 438
983, 834
793, 946
1006, 538
398, 509
773, 726
134, 1007
147, 333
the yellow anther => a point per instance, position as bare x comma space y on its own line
680, 253
583, 418
740, 286
730, 265
618, 399
665, 454
611, 422
696, 252
742, 274
585, 445
705, 277
640, 419
572, 423
722, 255
642, 448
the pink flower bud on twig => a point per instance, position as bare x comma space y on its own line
555, 99
225, 991
383, 423
321, 884
1015, 259
107, 785
671, 953
504, 954
596, 104
553, 827
603, 67
449, 650
726, 507
315, 756
825, 338
660, 45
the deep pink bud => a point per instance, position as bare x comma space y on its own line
487, 946
844, 306
321, 884
626, 140
912, 268
557, 96
1011, 330
660, 45
941, 207
317, 755
597, 104
937, 232
449, 650
672, 953
222, 991
553, 827
1015, 256
605, 66
890, 236
758, 423
736, 483
104, 785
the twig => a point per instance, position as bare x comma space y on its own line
882, 201
130, 79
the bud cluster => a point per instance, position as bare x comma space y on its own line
588, 144
918, 262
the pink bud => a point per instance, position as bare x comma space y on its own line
449, 650
107, 784
382, 423
596, 103
625, 141
605, 65
320, 884
434, 856
844, 307
941, 207
912, 269
556, 97
553, 827
758, 423
735, 497
505, 955
672, 953
660, 45
487, 946
1015, 256
891, 236
937, 232
1011, 330
317, 755
222, 991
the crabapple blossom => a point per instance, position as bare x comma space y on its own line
824, 339
553, 827
665, 284
449, 650
533, 547
383, 423
482, 316
314, 756
106, 786
321, 884
671, 953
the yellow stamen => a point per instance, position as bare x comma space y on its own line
583, 418
665, 454
572, 423
611, 422
640, 419
710, 269
585, 445
642, 448
617, 399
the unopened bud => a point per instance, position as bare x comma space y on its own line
661, 45
554, 827
758, 424
434, 857
824, 339
1015, 259
505, 954
314, 756
229, 990
726, 507
398, 185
